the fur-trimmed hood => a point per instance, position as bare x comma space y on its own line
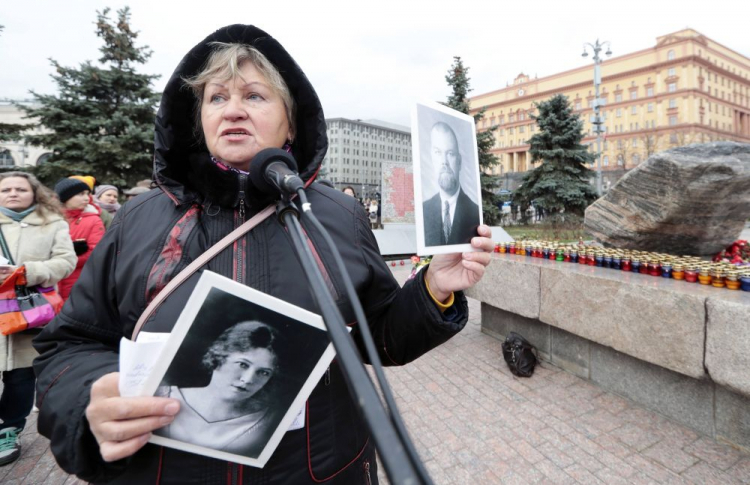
182, 165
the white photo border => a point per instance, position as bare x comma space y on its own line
206, 283
423, 250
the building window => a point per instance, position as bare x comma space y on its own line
650, 107
670, 55
578, 105
672, 120
618, 112
521, 129
636, 159
6, 159
673, 138
620, 160
43, 159
618, 98
634, 142
634, 110
633, 94
605, 160
649, 91
671, 72
672, 87
673, 103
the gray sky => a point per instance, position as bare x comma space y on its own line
366, 59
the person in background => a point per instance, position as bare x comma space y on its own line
373, 214
86, 179
132, 192
350, 191
86, 226
36, 235
105, 197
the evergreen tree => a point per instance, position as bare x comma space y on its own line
561, 181
457, 78
101, 121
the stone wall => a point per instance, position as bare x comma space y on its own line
680, 349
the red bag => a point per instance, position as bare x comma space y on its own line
23, 307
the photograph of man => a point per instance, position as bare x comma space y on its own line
450, 216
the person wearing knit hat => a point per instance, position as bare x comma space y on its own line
105, 197
137, 190
86, 179
84, 222
70, 187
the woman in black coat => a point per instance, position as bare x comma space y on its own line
234, 94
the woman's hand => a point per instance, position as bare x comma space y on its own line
122, 425
6, 271
455, 272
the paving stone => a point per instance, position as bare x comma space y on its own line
636, 437
581, 475
740, 472
704, 474
553, 472
671, 456
717, 455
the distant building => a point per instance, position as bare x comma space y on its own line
16, 153
686, 89
357, 150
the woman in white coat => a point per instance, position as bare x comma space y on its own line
37, 237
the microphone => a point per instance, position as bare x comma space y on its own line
274, 171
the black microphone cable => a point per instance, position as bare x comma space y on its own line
372, 352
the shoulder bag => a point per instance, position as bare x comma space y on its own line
24, 307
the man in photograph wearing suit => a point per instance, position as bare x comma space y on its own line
450, 216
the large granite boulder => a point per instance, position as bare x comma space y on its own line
689, 200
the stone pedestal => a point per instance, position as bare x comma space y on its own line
680, 349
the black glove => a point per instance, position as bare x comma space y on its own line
80, 246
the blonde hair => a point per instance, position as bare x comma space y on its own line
46, 201
225, 62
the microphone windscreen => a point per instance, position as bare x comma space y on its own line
260, 163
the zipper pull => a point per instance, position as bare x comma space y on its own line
243, 179
328, 376
368, 479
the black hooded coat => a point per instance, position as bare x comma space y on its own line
154, 236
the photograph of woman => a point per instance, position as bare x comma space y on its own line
235, 412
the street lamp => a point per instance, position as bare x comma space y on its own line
597, 120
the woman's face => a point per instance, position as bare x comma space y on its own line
78, 201
349, 192
243, 374
109, 196
242, 116
16, 194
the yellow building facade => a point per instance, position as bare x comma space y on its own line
686, 89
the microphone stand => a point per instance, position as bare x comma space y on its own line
396, 461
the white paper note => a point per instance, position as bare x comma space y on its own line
137, 360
